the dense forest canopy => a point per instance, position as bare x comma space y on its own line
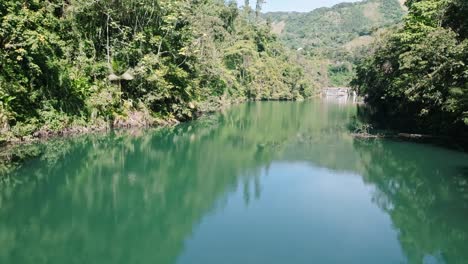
336, 38
85, 63
80, 64
417, 77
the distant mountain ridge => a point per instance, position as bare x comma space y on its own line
336, 37
336, 25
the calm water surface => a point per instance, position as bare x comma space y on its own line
259, 183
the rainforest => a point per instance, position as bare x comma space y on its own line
213, 131
97, 64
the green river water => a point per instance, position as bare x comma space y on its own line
271, 182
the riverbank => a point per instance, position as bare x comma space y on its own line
16, 150
15, 153
459, 143
132, 120
135, 120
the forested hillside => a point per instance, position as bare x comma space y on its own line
416, 79
67, 65
335, 38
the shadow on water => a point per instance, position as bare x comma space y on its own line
464, 172
455, 138
136, 197
422, 189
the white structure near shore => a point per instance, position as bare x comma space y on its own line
341, 94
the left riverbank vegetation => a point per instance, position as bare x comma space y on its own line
416, 78
80, 65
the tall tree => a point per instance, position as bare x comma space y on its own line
258, 8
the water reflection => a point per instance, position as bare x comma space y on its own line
424, 190
158, 196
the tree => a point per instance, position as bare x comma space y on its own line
417, 76
258, 7
101, 63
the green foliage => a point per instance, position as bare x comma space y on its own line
417, 76
337, 36
30, 54
340, 73
65, 62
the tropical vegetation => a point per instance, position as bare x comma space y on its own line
79, 64
417, 76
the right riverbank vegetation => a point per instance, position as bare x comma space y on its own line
416, 78
72, 66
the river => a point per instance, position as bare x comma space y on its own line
270, 182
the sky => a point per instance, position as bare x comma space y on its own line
295, 5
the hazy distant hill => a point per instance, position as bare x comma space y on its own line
339, 34
336, 25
